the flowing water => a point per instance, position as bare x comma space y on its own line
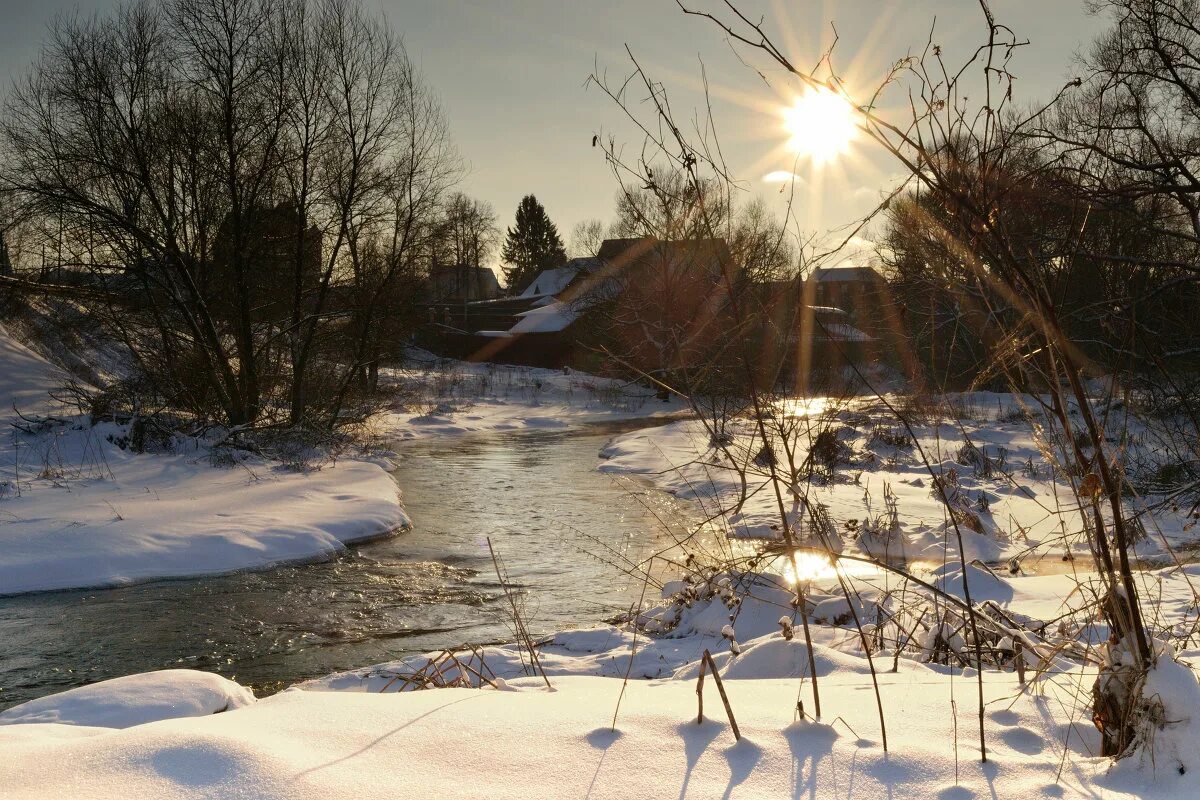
558, 524
537, 495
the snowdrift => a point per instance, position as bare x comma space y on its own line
81, 509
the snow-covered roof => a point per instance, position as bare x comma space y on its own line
842, 274
553, 281
840, 332
831, 310
545, 319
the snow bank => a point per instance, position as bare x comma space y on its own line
460, 397
134, 700
462, 743
168, 516
26, 377
79, 508
1006, 499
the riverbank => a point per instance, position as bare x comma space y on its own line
89, 506
358, 734
874, 479
443, 397
85, 505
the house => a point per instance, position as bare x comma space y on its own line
461, 283
664, 306
554, 282
653, 300
860, 291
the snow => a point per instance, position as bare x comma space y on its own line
134, 700
456, 397
79, 508
1173, 687
1017, 503
553, 281
27, 378
367, 732
545, 319
523, 741
550, 282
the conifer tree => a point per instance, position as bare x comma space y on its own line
533, 245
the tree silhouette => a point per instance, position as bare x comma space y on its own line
533, 245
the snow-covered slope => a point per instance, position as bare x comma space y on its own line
25, 377
468, 743
134, 700
78, 508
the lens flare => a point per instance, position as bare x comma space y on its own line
820, 124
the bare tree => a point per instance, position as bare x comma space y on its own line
988, 199
204, 153
586, 238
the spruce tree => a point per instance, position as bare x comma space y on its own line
533, 245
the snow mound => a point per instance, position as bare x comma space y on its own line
134, 700
776, 657
983, 584
27, 377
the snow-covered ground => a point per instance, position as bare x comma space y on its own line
79, 490
534, 743
438, 397
878, 489
358, 734
80, 508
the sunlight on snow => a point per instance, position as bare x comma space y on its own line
804, 406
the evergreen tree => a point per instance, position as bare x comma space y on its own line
533, 245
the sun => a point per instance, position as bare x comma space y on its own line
820, 124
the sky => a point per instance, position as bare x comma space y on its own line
512, 79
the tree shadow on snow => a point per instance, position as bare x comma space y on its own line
601, 739
742, 758
696, 739
809, 743
387, 735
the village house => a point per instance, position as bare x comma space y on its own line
460, 283
663, 305
859, 291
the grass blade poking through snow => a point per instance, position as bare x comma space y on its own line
706, 662
522, 632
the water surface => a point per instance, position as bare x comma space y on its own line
556, 522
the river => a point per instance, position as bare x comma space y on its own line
554, 519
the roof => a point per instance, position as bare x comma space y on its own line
840, 332
546, 319
846, 274
452, 273
686, 250
553, 281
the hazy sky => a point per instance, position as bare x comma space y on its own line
511, 79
